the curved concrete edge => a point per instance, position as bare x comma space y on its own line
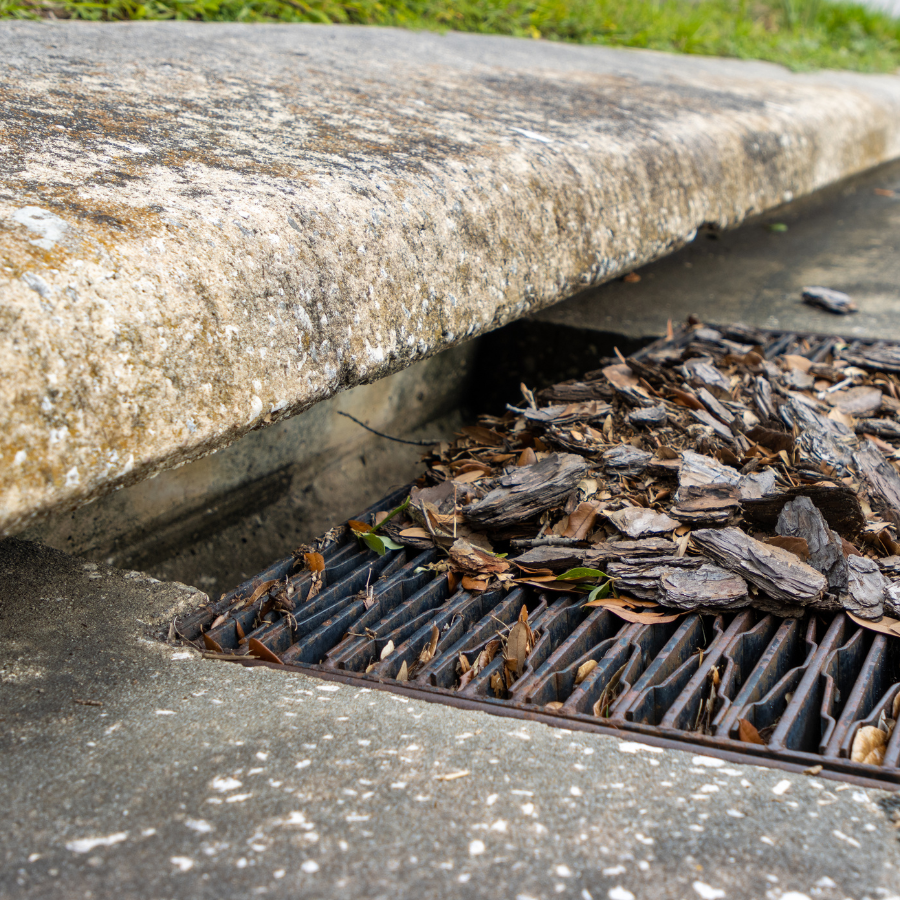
206, 229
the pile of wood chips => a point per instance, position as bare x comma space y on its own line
719, 469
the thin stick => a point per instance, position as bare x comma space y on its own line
387, 436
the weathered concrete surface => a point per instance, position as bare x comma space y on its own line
198, 779
219, 520
206, 229
846, 238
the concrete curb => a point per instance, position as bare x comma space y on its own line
207, 229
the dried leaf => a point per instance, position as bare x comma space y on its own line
748, 734
463, 664
869, 745
581, 521
624, 609
403, 674
210, 644
518, 646
795, 545
428, 650
584, 670
415, 533
261, 651
526, 458
386, 650
360, 527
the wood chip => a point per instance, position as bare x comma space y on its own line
775, 571
636, 522
528, 491
707, 587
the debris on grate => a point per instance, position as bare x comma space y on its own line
698, 542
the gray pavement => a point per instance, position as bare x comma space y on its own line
190, 778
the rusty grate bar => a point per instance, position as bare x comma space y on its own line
806, 684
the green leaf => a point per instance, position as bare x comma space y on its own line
378, 543
600, 591
373, 542
581, 574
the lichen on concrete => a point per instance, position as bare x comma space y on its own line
205, 229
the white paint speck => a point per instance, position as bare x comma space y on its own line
476, 848
328, 688
707, 892
224, 784
85, 845
735, 814
620, 893
303, 764
614, 870
499, 825
20, 458
847, 839
182, 863
183, 654
709, 761
200, 825
238, 798
532, 135
575, 791
782, 787
635, 747
353, 817
794, 895
72, 477
165, 712
825, 882
310, 867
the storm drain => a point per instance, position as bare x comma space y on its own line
790, 692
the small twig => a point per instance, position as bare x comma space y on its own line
387, 436
86, 702
554, 540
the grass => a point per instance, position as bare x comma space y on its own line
802, 34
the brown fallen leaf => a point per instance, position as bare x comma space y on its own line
581, 521
403, 674
796, 545
625, 609
210, 644
264, 588
315, 562
747, 732
519, 644
526, 458
261, 651
884, 625
584, 670
813, 770
415, 532
356, 525
869, 745
427, 653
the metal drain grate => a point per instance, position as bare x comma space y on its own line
806, 685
